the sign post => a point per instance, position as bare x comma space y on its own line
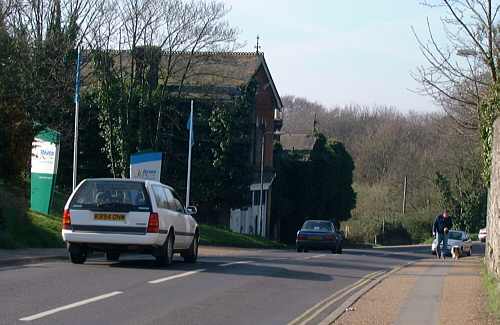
44, 162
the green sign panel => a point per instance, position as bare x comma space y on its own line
44, 160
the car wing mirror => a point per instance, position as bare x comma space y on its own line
191, 210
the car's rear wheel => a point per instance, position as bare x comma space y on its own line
166, 253
77, 254
192, 254
299, 249
112, 255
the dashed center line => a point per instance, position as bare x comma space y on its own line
177, 276
234, 263
70, 306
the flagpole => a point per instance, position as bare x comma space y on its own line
77, 106
188, 187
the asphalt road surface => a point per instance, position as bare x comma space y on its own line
246, 287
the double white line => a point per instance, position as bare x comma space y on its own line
315, 310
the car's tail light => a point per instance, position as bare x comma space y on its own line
66, 219
328, 237
153, 223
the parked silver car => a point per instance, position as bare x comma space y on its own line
455, 238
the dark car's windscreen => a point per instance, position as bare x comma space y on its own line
455, 235
120, 196
317, 226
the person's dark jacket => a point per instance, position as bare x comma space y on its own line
440, 223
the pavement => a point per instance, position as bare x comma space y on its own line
429, 291
226, 286
31, 255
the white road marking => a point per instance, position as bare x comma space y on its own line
177, 276
234, 263
315, 256
35, 265
70, 306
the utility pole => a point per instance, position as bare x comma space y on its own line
404, 195
190, 146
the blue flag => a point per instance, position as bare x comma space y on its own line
77, 82
190, 127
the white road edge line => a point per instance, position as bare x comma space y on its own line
177, 276
234, 263
70, 306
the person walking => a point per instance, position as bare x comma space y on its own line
441, 226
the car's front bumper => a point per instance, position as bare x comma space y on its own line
446, 250
316, 244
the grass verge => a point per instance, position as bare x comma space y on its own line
492, 287
31, 230
211, 235
23, 228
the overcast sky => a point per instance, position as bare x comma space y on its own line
340, 52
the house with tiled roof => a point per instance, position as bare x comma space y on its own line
221, 76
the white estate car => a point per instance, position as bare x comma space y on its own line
119, 215
455, 238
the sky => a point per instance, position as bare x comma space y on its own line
340, 52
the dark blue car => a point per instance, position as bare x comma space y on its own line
320, 235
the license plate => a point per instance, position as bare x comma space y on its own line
315, 238
110, 217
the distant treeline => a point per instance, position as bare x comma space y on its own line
441, 163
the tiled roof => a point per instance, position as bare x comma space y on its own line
297, 141
213, 69
210, 74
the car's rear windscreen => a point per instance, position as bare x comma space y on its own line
115, 195
317, 226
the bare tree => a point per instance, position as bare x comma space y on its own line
155, 46
460, 72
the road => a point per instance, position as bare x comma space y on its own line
224, 287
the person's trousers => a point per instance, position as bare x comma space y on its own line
441, 238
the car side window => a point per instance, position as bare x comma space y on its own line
160, 197
172, 201
179, 207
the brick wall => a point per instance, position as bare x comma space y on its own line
264, 106
492, 253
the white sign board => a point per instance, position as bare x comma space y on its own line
44, 157
146, 165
